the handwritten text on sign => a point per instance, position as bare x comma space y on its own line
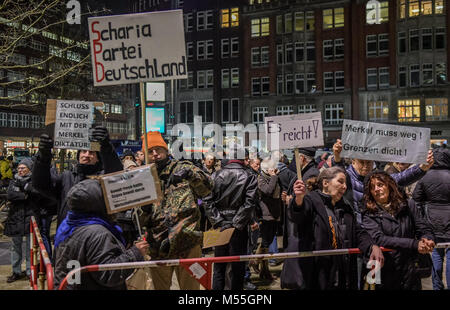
292, 131
135, 48
130, 189
72, 122
385, 142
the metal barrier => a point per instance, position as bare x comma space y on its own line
43, 267
201, 268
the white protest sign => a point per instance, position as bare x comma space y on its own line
294, 131
385, 142
72, 122
136, 48
129, 189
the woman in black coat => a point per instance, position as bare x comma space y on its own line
22, 197
394, 222
324, 222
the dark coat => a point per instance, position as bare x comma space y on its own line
48, 180
432, 194
92, 245
314, 233
233, 198
270, 205
285, 175
24, 204
402, 234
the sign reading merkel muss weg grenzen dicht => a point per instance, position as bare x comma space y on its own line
136, 48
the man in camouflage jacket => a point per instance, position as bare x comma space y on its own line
173, 224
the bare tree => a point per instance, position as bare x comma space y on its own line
41, 55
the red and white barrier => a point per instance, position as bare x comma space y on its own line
41, 268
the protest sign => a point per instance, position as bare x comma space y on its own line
72, 122
129, 189
385, 142
294, 131
135, 48
215, 237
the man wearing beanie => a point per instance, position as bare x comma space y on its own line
89, 163
231, 204
173, 225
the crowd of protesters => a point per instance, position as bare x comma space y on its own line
337, 203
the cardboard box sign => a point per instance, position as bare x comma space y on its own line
130, 189
215, 237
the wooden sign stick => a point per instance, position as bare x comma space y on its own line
297, 163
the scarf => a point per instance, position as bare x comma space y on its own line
74, 220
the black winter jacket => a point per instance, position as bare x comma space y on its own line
24, 204
233, 198
314, 233
270, 206
402, 234
432, 194
48, 180
92, 245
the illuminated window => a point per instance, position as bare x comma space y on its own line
328, 18
260, 27
426, 7
402, 9
299, 21
409, 110
436, 109
229, 18
414, 8
378, 111
338, 17
439, 6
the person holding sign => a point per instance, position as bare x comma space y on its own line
89, 236
324, 221
89, 163
394, 221
173, 225
361, 168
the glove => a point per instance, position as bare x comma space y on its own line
45, 147
225, 227
101, 135
180, 175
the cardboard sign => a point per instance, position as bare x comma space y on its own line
72, 122
130, 189
216, 237
385, 142
293, 131
135, 48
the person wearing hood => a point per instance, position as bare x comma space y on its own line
325, 220
432, 194
89, 236
394, 222
24, 204
89, 163
232, 204
173, 224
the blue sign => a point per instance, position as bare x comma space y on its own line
156, 119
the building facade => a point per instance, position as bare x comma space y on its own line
378, 61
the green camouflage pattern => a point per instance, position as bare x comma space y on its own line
174, 224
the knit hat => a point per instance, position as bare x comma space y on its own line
128, 153
128, 163
154, 139
27, 162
